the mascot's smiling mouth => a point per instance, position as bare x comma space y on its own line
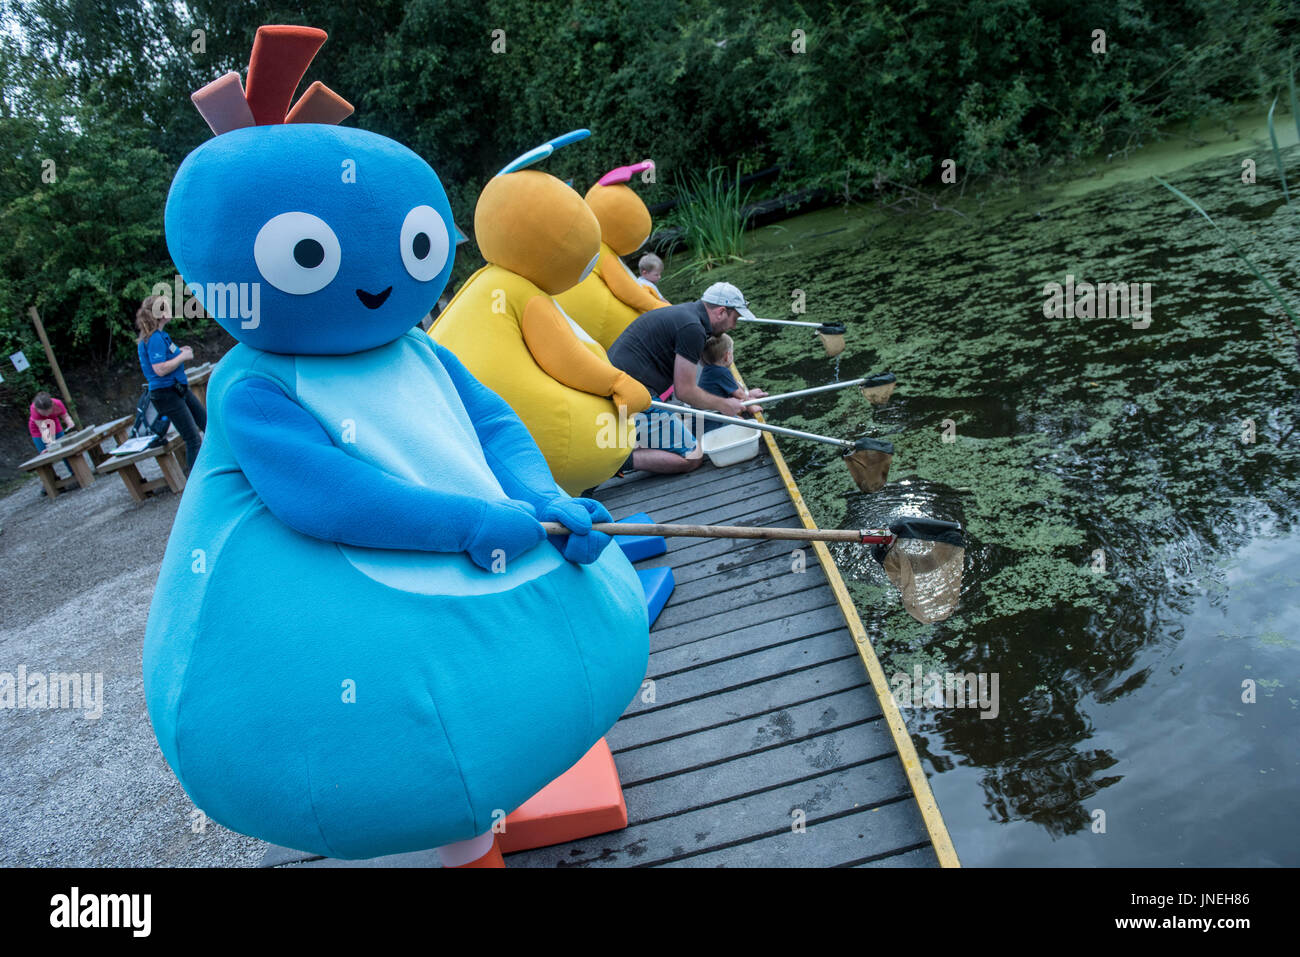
372, 301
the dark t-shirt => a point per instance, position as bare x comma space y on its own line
717, 380
647, 348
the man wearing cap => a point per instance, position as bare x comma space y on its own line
661, 350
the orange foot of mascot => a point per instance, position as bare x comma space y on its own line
481, 851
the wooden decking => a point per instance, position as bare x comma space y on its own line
764, 743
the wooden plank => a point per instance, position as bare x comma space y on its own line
721, 495
81, 470
733, 672
695, 629
50, 479
649, 483
120, 461
681, 483
744, 604
717, 817
739, 577
923, 856
829, 839
755, 734
724, 511
670, 661
172, 472
744, 554
751, 698
668, 494
133, 481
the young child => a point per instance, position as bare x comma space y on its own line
715, 374
46, 421
651, 268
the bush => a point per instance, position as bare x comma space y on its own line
837, 93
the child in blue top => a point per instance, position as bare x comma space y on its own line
715, 374
163, 365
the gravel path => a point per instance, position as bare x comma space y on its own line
76, 579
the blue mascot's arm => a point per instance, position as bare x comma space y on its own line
510, 450
520, 467
317, 489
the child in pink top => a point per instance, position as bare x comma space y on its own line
46, 421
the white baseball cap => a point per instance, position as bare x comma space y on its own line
725, 294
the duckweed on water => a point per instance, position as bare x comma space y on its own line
1077, 441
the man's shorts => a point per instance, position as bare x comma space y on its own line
667, 431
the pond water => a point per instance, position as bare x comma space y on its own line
1130, 496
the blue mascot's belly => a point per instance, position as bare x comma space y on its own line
356, 702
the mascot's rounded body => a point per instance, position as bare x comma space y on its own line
481, 326
324, 665
539, 238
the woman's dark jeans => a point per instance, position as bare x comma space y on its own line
186, 412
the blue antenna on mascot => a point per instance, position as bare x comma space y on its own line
539, 153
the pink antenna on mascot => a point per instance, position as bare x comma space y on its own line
624, 173
281, 55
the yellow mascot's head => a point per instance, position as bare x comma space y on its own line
534, 225
624, 219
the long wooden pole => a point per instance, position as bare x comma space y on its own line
49, 354
863, 536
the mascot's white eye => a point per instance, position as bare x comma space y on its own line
424, 243
297, 253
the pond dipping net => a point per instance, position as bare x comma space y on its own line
869, 463
925, 564
878, 389
832, 342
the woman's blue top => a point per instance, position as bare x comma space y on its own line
159, 348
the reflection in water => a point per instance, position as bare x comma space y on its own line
1107, 476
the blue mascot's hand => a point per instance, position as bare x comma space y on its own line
512, 527
576, 514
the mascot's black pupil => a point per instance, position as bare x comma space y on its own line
308, 253
420, 245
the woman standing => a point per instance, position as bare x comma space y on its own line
163, 365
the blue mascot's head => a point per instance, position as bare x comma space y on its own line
304, 237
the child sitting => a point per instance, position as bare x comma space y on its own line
651, 268
715, 374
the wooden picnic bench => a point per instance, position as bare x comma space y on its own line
171, 459
118, 429
74, 447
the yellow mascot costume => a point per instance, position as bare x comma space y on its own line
606, 302
539, 238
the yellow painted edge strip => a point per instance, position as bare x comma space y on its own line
939, 838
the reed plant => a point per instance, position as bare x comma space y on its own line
710, 213
1274, 291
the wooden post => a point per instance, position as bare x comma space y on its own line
49, 354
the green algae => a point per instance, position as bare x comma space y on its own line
1071, 437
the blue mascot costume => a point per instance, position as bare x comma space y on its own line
361, 642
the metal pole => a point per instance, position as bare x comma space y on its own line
785, 322
813, 391
751, 424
